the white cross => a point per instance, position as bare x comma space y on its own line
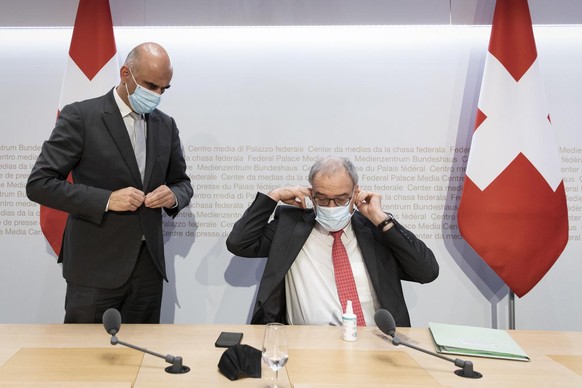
517, 121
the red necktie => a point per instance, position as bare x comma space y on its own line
344, 278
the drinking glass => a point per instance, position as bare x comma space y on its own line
275, 353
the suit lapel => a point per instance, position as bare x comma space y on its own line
291, 235
116, 127
299, 235
152, 142
367, 246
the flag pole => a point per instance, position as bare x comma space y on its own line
511, 310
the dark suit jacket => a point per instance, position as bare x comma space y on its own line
389, 256
91, 141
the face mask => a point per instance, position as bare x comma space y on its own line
333, 219
142, 100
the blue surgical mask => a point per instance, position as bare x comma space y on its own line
333, 219
142, 100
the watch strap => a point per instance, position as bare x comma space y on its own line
387, 221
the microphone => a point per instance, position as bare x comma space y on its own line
385, 322
112, 324
112, 321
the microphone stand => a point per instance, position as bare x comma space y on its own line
467, 366
176, 362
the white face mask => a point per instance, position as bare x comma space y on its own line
333, 219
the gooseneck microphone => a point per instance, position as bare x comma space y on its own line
385, 322
112, 321
112, 324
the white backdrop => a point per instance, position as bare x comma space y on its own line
255, 106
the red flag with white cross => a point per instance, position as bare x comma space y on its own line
92, 69
513, 209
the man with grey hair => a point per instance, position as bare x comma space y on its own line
126, 161
305, 281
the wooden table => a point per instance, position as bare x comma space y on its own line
81, 356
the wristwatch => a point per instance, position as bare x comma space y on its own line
387, 221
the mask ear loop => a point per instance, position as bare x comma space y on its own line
134, 80
137, 86
309, 202
125, 83
353, 200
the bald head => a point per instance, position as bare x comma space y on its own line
148, 65
148, 52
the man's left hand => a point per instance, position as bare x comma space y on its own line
160, 197
370, 205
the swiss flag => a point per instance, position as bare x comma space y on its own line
513, 209
92, 69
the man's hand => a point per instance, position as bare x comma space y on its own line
370, 205
128, 199
160, 197
291, 195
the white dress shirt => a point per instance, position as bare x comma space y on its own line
310, 288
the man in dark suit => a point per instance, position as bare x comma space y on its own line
298, 284
113, 249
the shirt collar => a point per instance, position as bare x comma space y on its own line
349, 231
124, 109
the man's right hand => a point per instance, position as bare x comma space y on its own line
128, 199
291, 195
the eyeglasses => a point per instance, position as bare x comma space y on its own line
327, 201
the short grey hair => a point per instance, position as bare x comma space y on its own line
330, 165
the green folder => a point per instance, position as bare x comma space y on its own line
475, 341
